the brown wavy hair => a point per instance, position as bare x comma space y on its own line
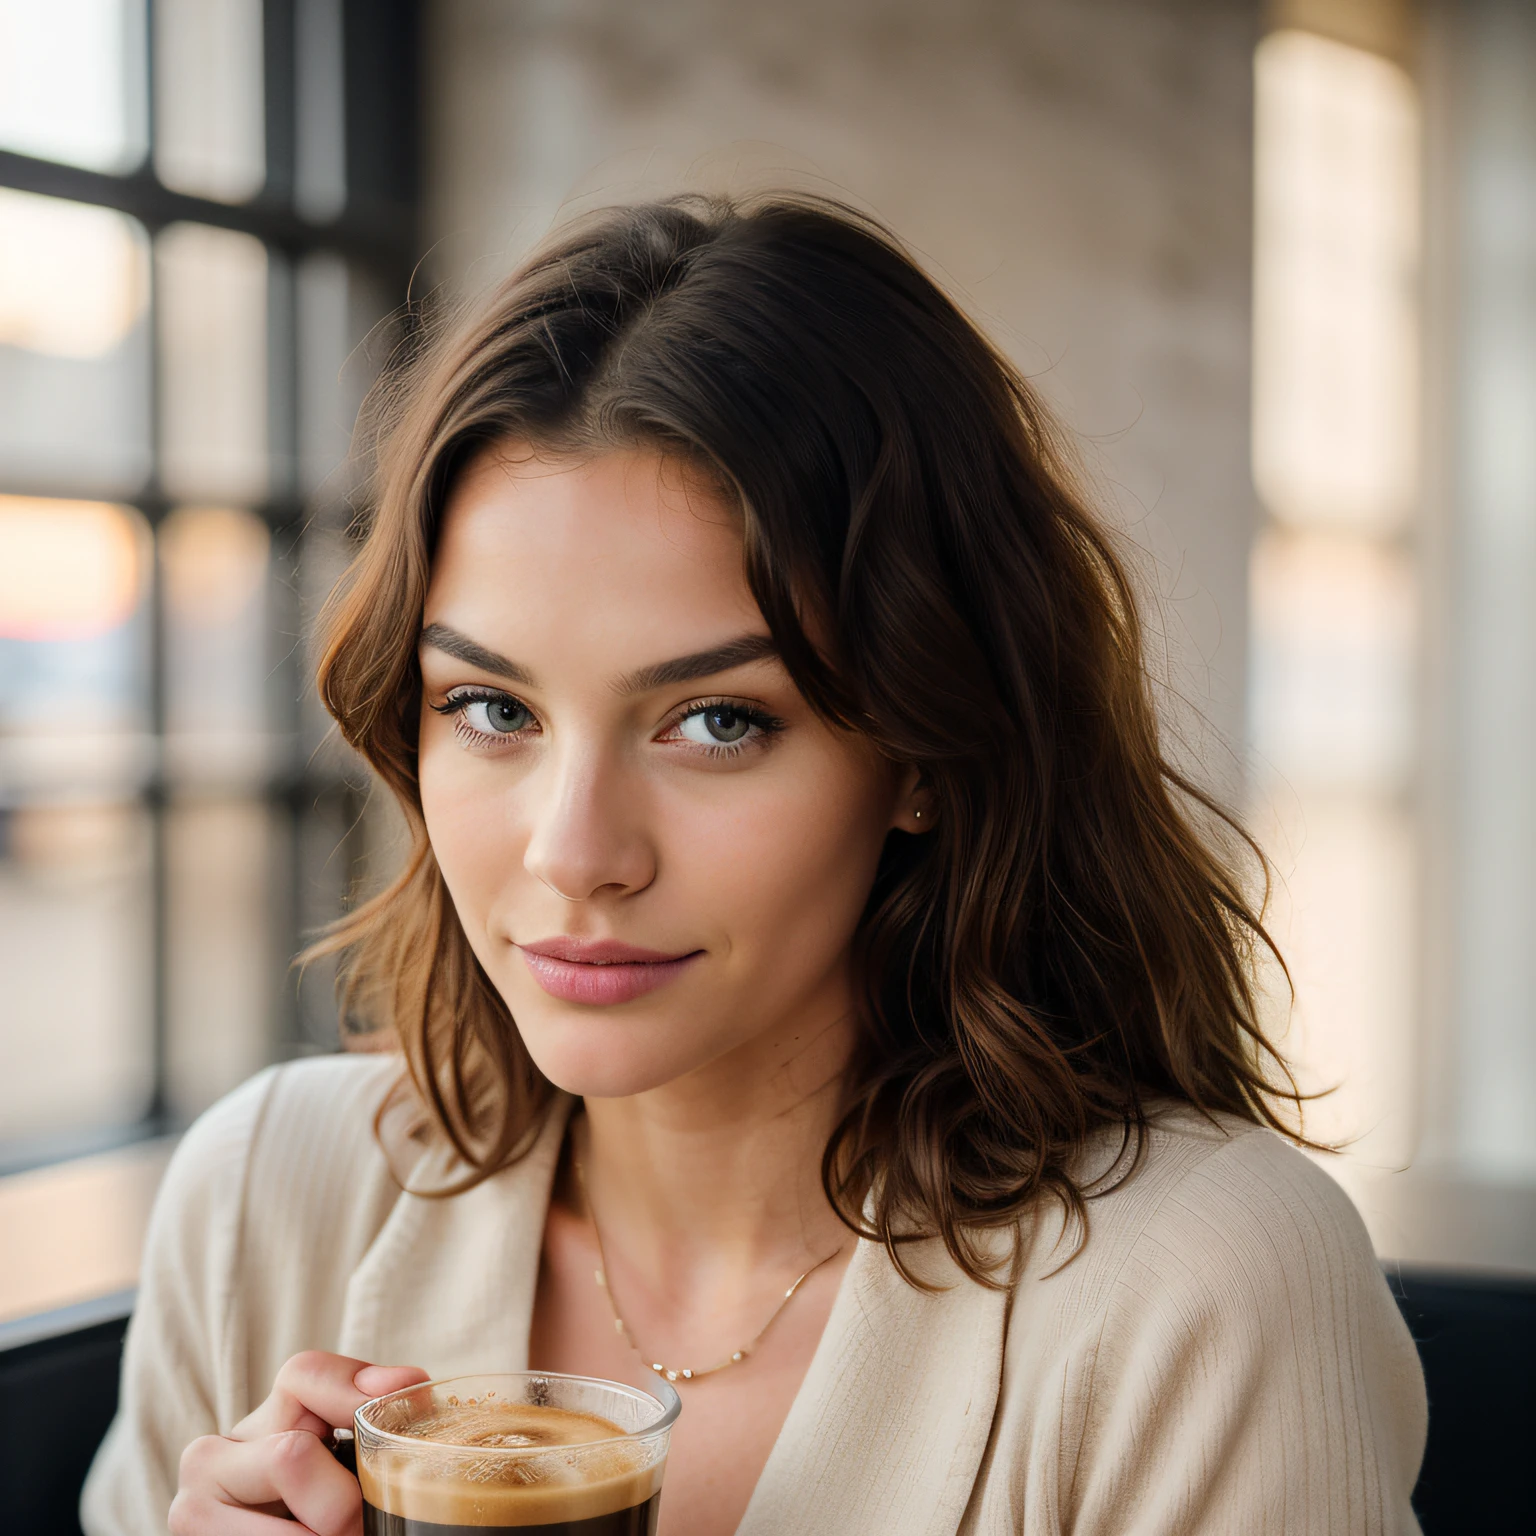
1072, 941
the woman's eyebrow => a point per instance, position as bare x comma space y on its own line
685, 669
661, 674
452, 643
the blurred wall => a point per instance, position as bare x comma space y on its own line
1080, 175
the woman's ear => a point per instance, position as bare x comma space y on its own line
914, 802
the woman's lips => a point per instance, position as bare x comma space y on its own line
600, 971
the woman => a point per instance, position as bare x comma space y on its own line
799, 902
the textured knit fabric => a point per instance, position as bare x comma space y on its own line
1222, 1357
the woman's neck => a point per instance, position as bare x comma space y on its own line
718, 1175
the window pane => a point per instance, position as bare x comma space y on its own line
342, 335
76, 1000
1334, 583
226, 966
1334, 642
75, 854
1491, 582
320, 180
212, 292
74, 347
209, 123
225, 961
215, 564
1336, 227
1342, 914
72, 81
73, 650
1334, 646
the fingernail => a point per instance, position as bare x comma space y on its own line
376, 1380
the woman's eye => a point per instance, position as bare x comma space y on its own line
716, 725
487, 714
496, 716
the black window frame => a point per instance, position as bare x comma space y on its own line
376, 230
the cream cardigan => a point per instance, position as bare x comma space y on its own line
1223, 1357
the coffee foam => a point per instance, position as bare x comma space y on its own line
442, 1480
508, 1426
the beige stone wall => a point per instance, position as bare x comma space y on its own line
1077, 171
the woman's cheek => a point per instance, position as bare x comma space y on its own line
786, 871
468, 829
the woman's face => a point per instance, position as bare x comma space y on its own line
657, 850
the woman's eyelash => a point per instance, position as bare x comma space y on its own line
456, 700
764, 724
754, 716
461, 700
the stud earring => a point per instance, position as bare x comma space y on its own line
917, 815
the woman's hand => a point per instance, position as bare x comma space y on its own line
275, 1464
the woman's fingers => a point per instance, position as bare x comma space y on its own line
291, 1470
200, 1514
319, 1392
274, 1463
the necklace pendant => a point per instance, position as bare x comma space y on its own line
684, 1373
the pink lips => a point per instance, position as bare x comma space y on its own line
600, 971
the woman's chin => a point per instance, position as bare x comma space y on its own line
603, 1070
607, 1083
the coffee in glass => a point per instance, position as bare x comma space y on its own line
527, 1451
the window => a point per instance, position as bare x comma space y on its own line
1334, 588
1393, 697
207, 224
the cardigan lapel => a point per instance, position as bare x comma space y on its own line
448, 1284
886, 1435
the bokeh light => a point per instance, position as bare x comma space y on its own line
69, 570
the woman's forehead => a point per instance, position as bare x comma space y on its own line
538, 501
617, 552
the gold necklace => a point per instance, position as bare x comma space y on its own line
680, 1373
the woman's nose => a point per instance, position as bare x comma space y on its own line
586, 835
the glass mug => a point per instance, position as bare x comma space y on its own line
523, 1451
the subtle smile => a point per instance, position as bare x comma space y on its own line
600, 972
